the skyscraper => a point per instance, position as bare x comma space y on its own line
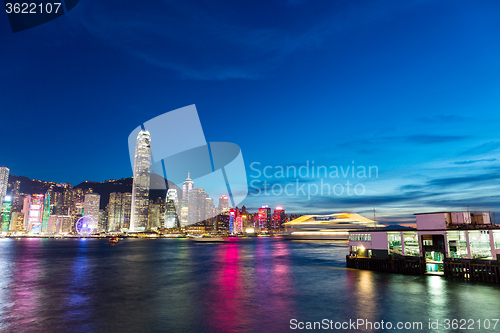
279, 218
4, 181
153, 216
119, 211
197, 205
6, 210
171, 209
223, 205
140, 186
91, 207
33, 213
265, 217
187, 187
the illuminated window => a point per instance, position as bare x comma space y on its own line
480, 244
457, 244
496, 237
411, 243
394, 242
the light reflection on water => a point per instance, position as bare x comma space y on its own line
177, 285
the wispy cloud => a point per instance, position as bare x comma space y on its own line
483, 148
441, 119
223, 40
432, 139
475, 161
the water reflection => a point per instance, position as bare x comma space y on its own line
183, 286
23, 292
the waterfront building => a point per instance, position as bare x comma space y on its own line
33, 213
6, 212
265, 219
279, 218
153, 216
184, 216
140, 186
51, 224
240, 222
4, 181
187, 187
223, 205
222, 222
46, 211
197, 206
209, 207
119, 211
232, 219
65, 224
171, 208
67, 199
16, 222
440, 239
91, 207
102, 224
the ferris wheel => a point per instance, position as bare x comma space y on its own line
85, 225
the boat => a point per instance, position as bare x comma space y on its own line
209, 239
329, 227
114, 240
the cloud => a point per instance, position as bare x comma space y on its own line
223, 40
432, 139
423, 139
483, 148
441, 119
475, 161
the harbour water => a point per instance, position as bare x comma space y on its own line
249, 285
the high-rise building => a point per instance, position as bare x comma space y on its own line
6, 210
64, 224
232, 220
265, 217
67, 199
279, 218
91, 207
46, 211
16, 222
197, 205
140, 186
33, 213
4, 181
119, 211
171, 209
223, 205
154, 216
187, 187
209, 207
102, 224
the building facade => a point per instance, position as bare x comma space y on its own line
141, 182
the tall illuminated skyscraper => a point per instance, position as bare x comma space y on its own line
171, 209
4, 180
279, 218
187, 187
265, 217
140, 186
223, 205
197, 205
91, 207
33, 213
6, 209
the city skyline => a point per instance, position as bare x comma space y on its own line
405, 101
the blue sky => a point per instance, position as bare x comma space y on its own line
412, 87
